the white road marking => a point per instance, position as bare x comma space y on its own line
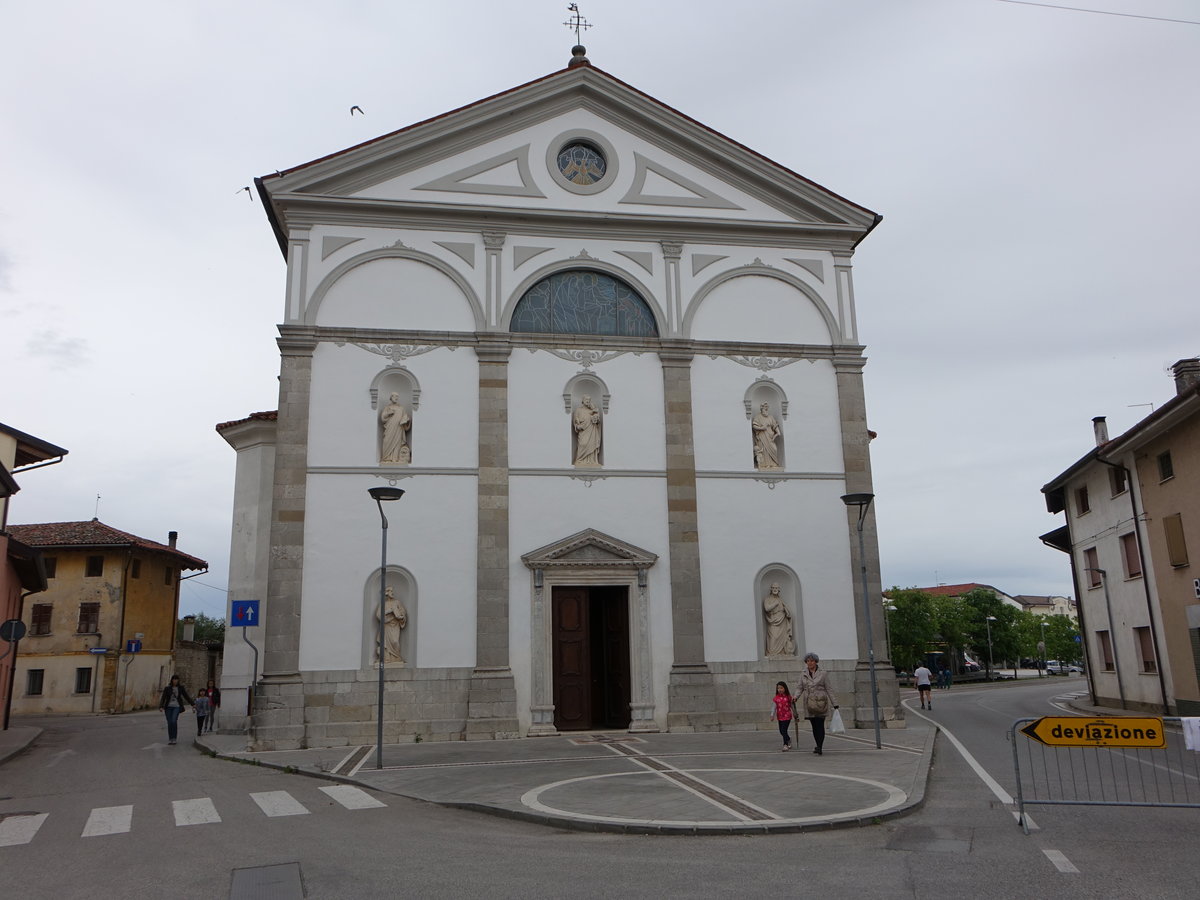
1061, 862
108, 820
195, 812
20, 829
352, 797
279, 803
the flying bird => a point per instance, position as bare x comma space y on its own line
249, 193
359, 108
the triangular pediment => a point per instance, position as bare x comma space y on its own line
590, 549
502, 153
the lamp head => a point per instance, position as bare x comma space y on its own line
385, 493
859, 500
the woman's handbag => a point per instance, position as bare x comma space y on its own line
835, 723
816, 705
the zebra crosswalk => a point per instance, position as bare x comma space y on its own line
22, 828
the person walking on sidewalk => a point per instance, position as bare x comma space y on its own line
174, 696
214, 696
923, 678
782, 709
815, 698
203, 708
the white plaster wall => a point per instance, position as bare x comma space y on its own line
431, 533
249, 556
1101, 528
343, 428
544, 509
396, 293
801, 524
812, 429
540, 137
539, 428
758, 308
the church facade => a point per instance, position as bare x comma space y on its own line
611, 357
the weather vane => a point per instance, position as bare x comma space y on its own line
577, 22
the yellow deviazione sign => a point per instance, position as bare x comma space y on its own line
1081, 731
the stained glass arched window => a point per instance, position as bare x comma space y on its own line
584, 302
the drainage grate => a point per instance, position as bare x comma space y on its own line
280, 882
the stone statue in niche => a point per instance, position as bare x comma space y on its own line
395, 618
586, 422
396, 424
780, 641
766, 432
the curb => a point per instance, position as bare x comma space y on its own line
916, 800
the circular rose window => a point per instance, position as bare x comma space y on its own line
581, 163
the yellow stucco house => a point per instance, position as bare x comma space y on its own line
101, 638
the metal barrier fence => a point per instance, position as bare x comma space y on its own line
1099, 773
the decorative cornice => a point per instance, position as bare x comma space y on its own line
395, 352
762, 363
585, 357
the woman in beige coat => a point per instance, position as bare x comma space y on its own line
814, 699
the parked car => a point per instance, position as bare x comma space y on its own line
1054, 667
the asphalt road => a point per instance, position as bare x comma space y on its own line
114, 780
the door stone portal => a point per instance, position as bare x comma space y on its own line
590, 635
590, 628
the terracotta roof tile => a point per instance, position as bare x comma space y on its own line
271, 415
94, 534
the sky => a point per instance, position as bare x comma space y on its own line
1036, 265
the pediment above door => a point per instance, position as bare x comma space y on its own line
590, 549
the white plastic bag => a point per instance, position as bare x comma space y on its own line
835, 723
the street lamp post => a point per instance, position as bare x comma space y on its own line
863, 502
380, 494
988, 621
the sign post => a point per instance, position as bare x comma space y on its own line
245, 614
1087, 731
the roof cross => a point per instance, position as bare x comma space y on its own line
577, 21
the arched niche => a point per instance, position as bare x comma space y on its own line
404, 589
789, 593
591, 386
764, 390
812, 321
597, 299
395, 252
399, 381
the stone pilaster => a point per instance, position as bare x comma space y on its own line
492, 705
493, 243
691, 700
673, 293
279, 700
856, 454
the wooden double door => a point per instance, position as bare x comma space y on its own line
591, 657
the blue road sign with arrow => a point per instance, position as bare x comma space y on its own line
244, 613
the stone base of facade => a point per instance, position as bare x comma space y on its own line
338, 708
492, 705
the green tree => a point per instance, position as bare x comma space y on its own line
954, 618
911, 626
1061, 643
208, 629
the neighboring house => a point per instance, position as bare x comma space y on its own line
958, 590
1132, 510
22, 572
1048, 605
612, 357
108, 591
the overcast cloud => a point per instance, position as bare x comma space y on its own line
1036, 266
